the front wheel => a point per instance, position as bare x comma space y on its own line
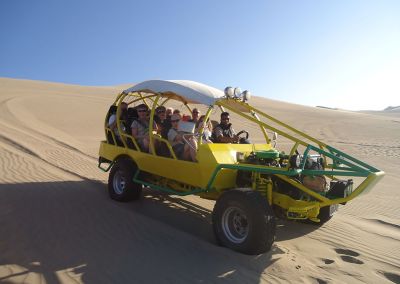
244, 221
121, 186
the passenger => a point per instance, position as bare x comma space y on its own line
158, 114
112, 122
176, 111
195, 115
169, 112
163, 122
186, 118
140, 128
131, 116
224, 132
207, 129
182, 150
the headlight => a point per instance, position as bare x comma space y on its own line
246, 95
237, 92
229, 92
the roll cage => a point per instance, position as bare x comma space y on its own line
341, 164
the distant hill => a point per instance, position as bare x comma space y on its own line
392, 111
392, 108
334, 108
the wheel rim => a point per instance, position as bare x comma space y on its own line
235, 225
119, 183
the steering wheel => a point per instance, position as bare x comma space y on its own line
242, 140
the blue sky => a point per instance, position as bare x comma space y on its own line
333, 53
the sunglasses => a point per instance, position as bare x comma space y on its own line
161, 111
175, 120
142, 110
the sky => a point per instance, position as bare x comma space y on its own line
340, 54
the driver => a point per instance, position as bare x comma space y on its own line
224, 132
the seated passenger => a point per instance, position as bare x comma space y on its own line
182, 150
186, 118
140, 128
112, 122
207, 129
169, 112
195, 115
163, 122
131, 116
224, 132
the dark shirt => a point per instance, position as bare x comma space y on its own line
165, 126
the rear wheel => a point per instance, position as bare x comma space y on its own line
244, 221
121, 186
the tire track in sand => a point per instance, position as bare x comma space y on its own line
58, 155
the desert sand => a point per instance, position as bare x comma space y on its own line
58, 225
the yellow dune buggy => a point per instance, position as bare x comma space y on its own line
252, 183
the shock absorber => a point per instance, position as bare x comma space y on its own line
262, 185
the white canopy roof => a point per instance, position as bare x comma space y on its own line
183, 90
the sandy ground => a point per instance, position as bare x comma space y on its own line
57, 224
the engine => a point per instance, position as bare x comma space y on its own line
317, 182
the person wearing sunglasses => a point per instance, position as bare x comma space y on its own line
224, 132
163, 122
140, 127
182, 150
195, 115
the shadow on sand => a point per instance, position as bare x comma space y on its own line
61, 231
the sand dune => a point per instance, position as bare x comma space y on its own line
57, 224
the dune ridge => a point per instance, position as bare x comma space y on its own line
57, 224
